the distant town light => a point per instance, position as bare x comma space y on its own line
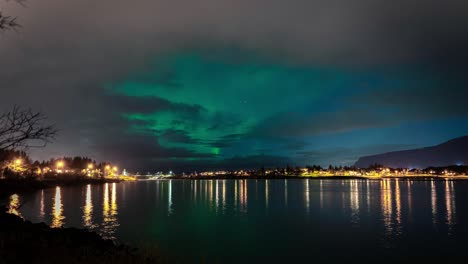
18, 161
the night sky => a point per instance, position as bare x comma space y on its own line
181, 85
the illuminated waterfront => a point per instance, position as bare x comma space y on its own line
219, 218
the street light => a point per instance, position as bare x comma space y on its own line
16, 165
107, 170
90, 170
115, 169
60, 165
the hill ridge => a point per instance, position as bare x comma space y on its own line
451, 152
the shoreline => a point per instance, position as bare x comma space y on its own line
338, 177
9, 187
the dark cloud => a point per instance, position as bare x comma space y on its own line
343, 32
136, 105
140, 152
98, 129
68, 52
179, 136
236, 162
347, 155
293, 124
434, 98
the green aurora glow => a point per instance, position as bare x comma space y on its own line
230, 98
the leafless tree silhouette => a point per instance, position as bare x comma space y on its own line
9, 22
24, 128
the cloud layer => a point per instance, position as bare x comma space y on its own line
158, 84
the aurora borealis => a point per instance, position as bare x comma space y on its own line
193, 88
221, 108
217, 104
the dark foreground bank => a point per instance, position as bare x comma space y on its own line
24, 242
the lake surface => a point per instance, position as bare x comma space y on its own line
236, 220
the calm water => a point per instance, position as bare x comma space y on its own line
229, 220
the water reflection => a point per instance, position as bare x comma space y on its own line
114, 199
194, 190
169, 199
57, 209
343, 197
14, 205
210, 187
109, 214
354, 198
321, 194
307, 196
376, 212
410, 202
368, 196
267, 193
391, 205
386, 204
41, 208
450, 204
370, 206
217, 195
434, 202
235, 194
224, 195
243, 196
88, 209
398, 203
286, 193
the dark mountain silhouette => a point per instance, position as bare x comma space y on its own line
452, 152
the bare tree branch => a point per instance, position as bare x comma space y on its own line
23, 128
10, 22
7, 22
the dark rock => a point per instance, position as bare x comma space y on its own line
24, 242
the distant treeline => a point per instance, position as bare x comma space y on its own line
25, 168
74, 163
